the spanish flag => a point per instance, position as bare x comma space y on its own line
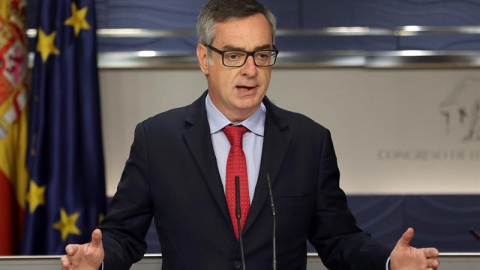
13, 124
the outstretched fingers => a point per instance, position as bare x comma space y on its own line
65, 262
69, 260
432, 257
406, 257
72, 249
430, 252
86, 256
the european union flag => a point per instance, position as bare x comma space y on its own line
66, 195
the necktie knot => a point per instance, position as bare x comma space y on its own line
235, 134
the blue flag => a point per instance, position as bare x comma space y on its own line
66, 192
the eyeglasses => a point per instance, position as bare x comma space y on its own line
237, 58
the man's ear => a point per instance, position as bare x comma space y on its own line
202, 56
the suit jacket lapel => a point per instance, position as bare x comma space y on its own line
275, 146
198, 139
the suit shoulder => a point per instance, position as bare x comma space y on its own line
171, 117
300, 121
176, 117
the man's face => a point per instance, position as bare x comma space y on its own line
237, 91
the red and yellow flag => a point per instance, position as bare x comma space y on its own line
13, 124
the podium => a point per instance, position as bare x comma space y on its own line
448, 261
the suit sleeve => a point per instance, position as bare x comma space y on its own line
130, 211
338, 241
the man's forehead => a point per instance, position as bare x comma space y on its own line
253, 32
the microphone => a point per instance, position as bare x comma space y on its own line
475, 233
272, 204
239, 215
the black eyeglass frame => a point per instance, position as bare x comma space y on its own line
222, 53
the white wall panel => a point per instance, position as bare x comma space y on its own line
389, 126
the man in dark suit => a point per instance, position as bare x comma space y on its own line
180, 172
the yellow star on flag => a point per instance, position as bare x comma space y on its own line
77, 20
36, 196
100, 218
67, 224
45, 44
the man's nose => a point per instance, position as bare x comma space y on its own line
249, 68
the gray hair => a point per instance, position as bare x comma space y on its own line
221, 10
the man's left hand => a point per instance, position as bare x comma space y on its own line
405, 257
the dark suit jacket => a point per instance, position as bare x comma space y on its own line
172, 175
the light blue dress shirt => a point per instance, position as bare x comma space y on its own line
252, 142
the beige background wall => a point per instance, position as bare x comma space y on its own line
396, 131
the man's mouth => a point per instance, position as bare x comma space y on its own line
244, 88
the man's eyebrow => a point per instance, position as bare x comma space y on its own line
258, 48
264, 47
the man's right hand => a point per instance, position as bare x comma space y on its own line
85, 257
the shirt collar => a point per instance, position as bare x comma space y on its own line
217, 120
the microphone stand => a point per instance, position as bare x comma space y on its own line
272, 204
239, 215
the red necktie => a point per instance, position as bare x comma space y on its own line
236, 166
